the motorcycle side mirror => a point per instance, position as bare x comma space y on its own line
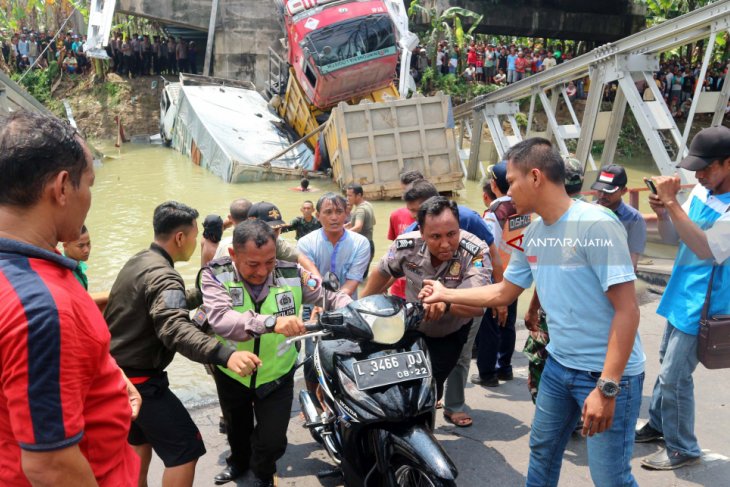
331, 283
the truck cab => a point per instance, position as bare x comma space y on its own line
340, 50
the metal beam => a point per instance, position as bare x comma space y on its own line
691, 26
211, 37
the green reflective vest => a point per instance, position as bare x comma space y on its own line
284, 299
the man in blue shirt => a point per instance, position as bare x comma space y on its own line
577, 256
334, 249
611, 187
702, 227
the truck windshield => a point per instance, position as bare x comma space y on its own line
350, 42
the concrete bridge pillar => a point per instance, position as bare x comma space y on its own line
245, 30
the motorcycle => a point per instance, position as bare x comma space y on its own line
376, 407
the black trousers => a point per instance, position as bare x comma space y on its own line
445, 352
496, 344
256, 447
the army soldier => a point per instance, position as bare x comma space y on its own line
443, 252
252, 300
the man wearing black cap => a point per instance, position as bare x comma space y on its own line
702, 227
611, 187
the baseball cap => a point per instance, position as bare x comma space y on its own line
268, 213
499, 173
611, 179
573, 174
708, 145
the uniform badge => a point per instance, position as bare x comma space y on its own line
236, 296
470, 247
285, 303
405, 243
455, 269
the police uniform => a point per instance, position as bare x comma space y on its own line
238, 313
469, 266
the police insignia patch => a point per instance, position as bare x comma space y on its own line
470, 247
405, 243
455, 269
285, 303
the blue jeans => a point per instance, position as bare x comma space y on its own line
559, 406
672, 409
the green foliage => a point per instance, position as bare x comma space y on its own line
38, 82
521, 120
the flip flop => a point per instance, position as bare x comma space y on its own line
462, 420
439, 405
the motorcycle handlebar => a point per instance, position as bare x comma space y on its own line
310, 327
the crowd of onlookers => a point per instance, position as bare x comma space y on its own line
144, 55
31, 48
491, 63
135, 55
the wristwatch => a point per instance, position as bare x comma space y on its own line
270, 323
608, 387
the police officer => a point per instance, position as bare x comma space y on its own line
440, 250
252, 300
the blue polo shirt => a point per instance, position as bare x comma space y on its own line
470, 221
635, 226
684, 296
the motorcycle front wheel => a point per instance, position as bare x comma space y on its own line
408, 475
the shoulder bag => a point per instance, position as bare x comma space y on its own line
713, 341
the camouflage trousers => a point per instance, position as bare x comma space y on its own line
536, 354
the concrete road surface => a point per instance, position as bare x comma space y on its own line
494, 451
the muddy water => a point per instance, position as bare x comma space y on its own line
129, 185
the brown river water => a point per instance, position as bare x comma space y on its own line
130, 183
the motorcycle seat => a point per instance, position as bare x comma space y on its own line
329, 348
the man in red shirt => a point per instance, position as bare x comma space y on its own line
401, 219
64, 404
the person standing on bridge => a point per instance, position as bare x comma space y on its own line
702, 227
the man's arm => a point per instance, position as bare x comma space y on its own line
690, 234
166, 301
598, 410
309, 266
377, 283
349, 287
357, 221
64, 467
500, 294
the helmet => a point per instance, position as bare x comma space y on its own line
573, 175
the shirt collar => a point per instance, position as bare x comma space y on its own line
27, 250
156, 248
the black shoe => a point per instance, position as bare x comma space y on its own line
505, 375
491, 381
647, 434
264, 482
668, 461
227, 475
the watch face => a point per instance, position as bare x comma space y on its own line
609, 389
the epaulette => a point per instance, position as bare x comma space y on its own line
405, 243
470, 247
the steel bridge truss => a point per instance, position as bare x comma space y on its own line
627, 61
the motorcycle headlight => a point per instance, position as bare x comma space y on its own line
387, 330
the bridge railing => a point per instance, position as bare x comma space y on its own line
625, 62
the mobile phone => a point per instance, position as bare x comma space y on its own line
650, 184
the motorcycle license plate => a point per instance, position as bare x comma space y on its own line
391, 369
